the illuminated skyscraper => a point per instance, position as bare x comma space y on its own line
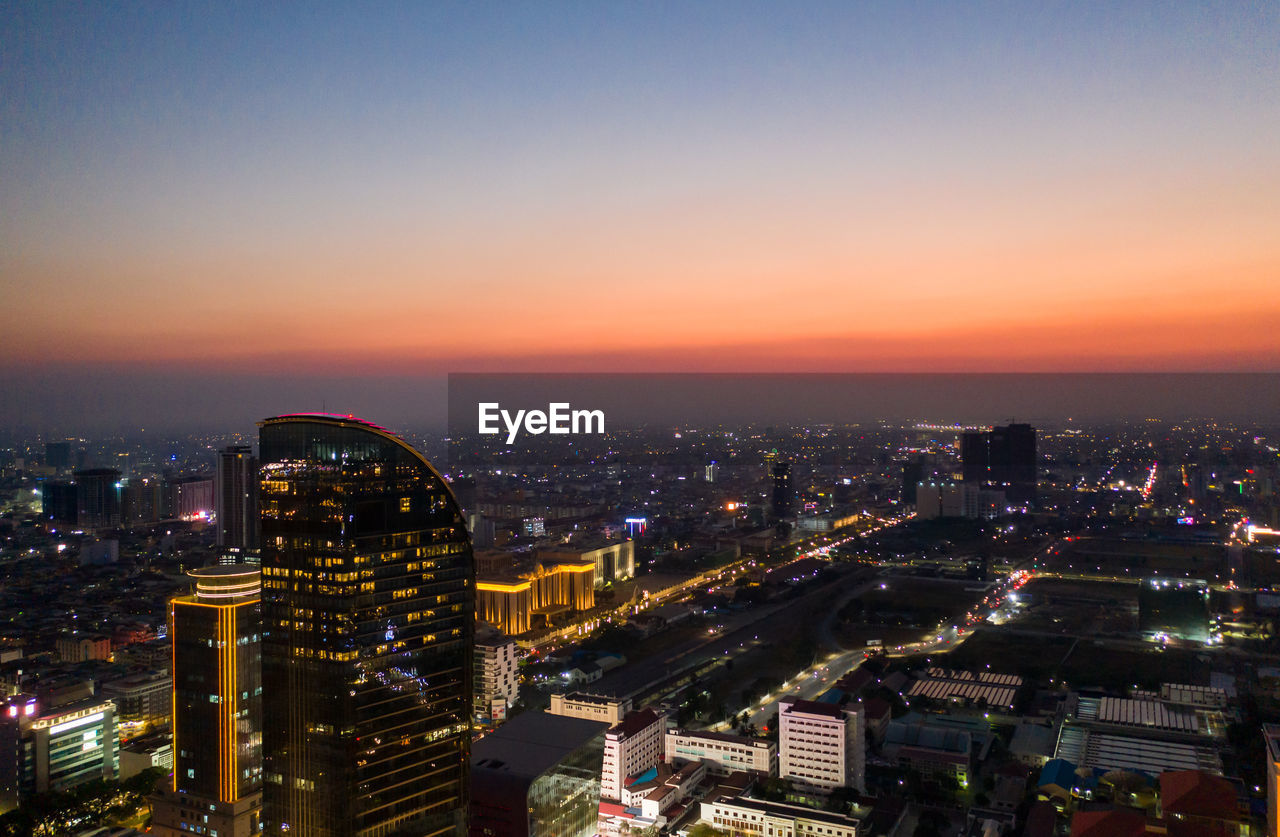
217, 707
368, 616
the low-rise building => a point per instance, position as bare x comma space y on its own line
54, 749
722, 753
610, 710
143, 700
747, 817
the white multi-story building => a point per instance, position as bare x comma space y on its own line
630, 748
821, 745
722, 753
497, 682
590, 707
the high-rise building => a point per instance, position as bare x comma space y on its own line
912, 475
236, 503
783, 505
98, 495
217, 708
368, 617
1004, 457
58, 502
821, 745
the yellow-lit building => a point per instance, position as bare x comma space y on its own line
217, 707
515, 605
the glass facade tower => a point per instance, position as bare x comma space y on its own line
368, 617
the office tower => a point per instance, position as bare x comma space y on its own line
783, 498
58, 502
236, 502
98, 494
57, 455
368, 616
711, 471
821, 745
912, 474
630, 748
974, 458
217, 707
144, 500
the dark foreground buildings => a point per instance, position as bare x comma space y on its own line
368, 617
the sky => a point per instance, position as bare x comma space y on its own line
246, 192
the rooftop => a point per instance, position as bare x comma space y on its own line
812, 707
531, 743
634, 723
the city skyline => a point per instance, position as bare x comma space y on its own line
626, 188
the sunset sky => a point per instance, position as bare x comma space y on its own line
310, 189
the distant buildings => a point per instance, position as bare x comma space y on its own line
98, 493
79, 648
217, 707
367, 657
949, 499
821, 745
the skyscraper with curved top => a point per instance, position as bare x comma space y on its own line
368, 622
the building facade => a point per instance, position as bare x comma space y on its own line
497, 679
722, 753
368, 619
821, 745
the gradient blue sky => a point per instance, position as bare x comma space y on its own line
723, 186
